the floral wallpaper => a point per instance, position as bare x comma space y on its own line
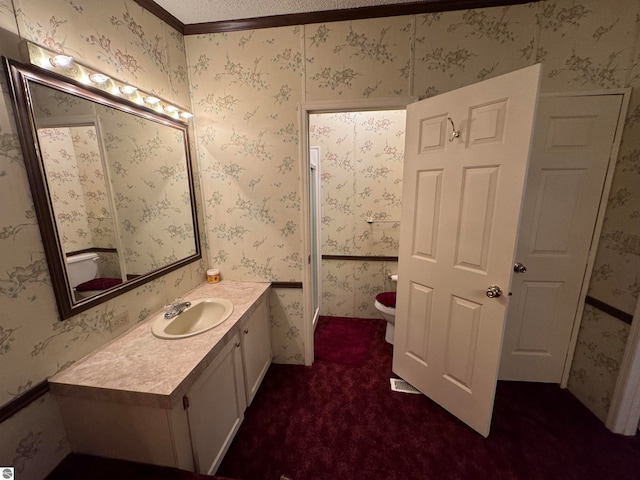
286, 326
118, 38
454, 49
37, 439
244, 88
34, 344
597, 360
147, 170
349, 287
76, 180
66, 188
340, 58
94, 187
361, 159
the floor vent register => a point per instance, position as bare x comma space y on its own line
399, 385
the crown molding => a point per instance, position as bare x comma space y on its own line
325, 16
162, 14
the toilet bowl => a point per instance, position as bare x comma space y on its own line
386, 304
82, 269
95, 286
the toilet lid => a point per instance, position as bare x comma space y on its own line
388, 299
98, 284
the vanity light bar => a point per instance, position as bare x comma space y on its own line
67, 66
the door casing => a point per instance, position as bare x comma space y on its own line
305, 109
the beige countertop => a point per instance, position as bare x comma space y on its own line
139, 369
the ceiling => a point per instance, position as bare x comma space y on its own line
204, 11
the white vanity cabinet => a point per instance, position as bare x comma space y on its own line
256, 348
176, 403
193, 435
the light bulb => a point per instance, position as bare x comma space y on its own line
151, 100
127, 89
170, 109
61, 60
98, 78
186, 115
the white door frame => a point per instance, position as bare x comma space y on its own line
305, 109
613, 156
315, 165
624, 411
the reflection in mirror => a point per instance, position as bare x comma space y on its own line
112, 186
82, 209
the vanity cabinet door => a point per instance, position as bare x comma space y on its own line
215, 408
256, 348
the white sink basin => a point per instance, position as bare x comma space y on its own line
201, 316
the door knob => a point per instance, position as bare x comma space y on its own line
494, 291
519, 268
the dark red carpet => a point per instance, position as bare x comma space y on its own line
343, 340
77, 466
339, 422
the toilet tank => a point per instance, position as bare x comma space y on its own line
82, 268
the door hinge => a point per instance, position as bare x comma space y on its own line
185, 402
309, 260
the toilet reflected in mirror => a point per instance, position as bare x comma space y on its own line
83, 273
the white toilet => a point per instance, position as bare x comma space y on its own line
83, 270
386, 305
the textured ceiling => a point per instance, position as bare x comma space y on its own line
200, 11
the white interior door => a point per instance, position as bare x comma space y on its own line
572, 143
460, 213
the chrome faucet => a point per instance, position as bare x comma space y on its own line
175, 309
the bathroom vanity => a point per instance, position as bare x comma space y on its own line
175, 402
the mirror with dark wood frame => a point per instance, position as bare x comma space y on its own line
112, 185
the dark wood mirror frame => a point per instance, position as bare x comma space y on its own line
19, 77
